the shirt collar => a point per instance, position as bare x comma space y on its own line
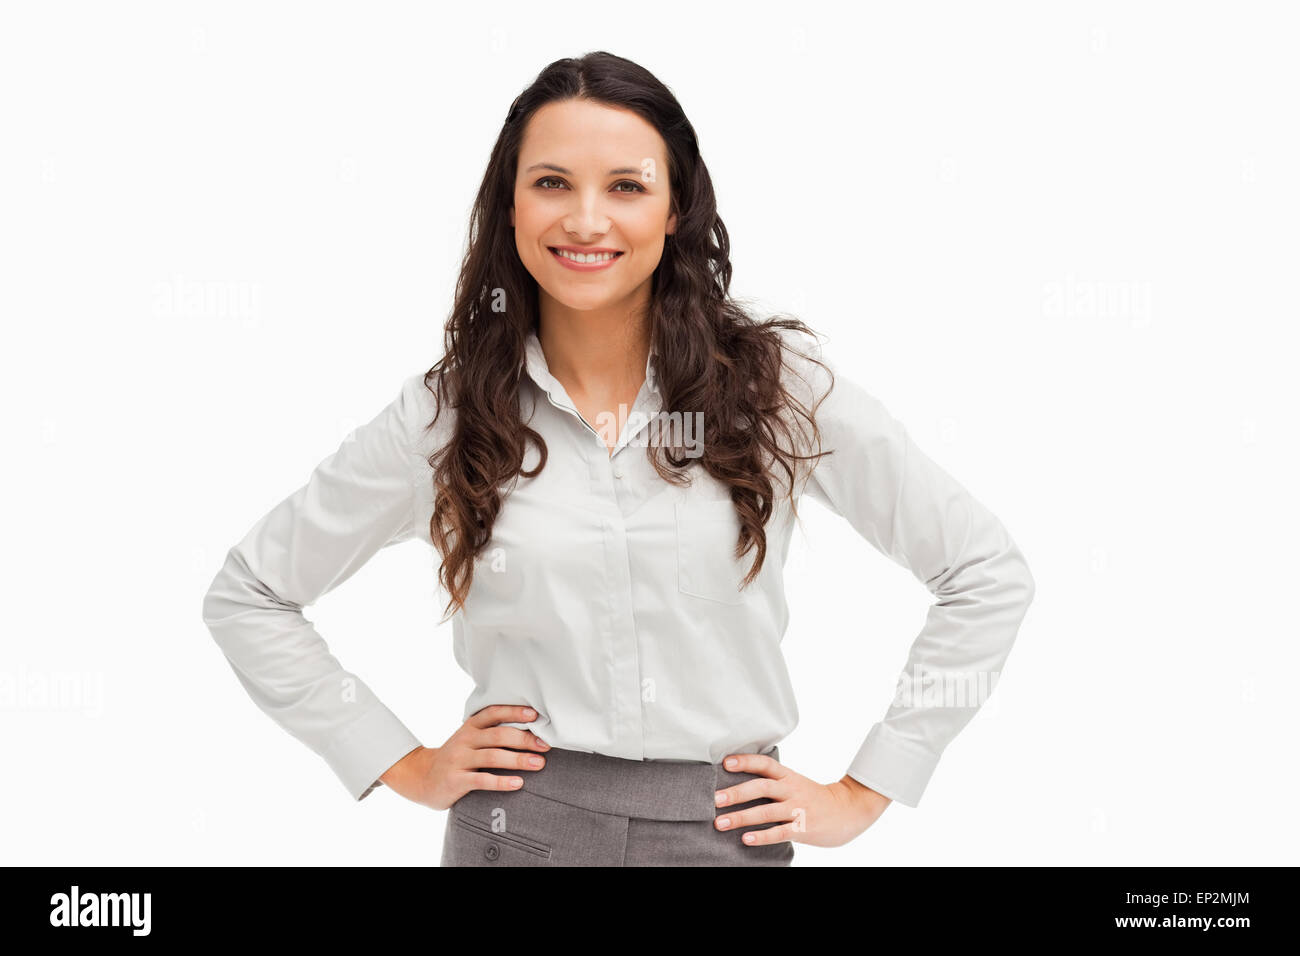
539, 371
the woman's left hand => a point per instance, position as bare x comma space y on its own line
819, 814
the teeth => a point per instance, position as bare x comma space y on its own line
586, 256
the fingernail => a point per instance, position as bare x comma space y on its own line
719, 798
724, 823
516, 782
529, 713
534, 761
749, 838
731, 762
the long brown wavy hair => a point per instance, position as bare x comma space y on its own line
712, 357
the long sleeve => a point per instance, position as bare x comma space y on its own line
358, 500
911, 510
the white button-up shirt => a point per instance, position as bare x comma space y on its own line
608, 599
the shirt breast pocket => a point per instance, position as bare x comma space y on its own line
707, 532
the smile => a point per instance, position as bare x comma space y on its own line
584, 261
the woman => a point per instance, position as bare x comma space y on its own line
620, 612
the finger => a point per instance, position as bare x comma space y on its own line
500, 736
750, 790
764, 813
500, 713
755, 763
776, 834
508, 759
493, 781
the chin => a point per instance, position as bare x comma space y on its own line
580, 302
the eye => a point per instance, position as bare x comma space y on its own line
559, 183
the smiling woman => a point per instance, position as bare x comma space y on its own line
620, 612
575, 207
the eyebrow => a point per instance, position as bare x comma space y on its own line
621, 171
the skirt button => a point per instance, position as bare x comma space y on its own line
492, 852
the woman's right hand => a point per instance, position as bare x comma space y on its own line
439, 776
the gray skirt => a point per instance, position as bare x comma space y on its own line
585, 809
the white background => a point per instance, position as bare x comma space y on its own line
1058, 241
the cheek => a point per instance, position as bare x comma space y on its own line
649, 230
526, 236
526, 219
649, 248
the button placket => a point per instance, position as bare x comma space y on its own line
615, 486
625, 657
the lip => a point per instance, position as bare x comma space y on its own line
584, 266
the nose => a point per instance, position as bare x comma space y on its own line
585, 219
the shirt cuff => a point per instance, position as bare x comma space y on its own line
894, 767
367, 748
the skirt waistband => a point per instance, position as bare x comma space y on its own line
646, 789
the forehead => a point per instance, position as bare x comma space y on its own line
580, 134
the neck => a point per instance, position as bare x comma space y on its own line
596, 351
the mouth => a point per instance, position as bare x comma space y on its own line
585, 261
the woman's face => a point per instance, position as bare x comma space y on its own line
591, 179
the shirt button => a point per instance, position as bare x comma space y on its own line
618, 472
492, 852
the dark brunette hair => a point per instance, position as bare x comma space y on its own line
712, 357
